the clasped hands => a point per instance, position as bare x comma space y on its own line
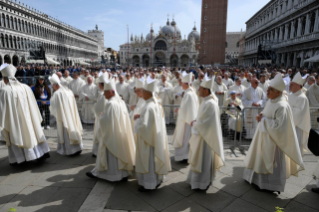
259, 117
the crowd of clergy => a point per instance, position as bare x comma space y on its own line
130, 114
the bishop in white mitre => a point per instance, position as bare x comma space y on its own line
69, 127
220, 90
152, 151
88, 97
116, 153
238, 87
75, 86
136, 109
178, 95
123, 89
187, 112
313, 97
206, 154
300, 110
2, 84
254, 98
98, 110
20, 121
165, 90
274, 153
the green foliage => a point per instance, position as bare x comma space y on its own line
279, 209
12, 210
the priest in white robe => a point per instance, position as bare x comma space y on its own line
300, 110
123, 89
274, 153
227, 81
67, 77
88, 97
310, 81
220, 90
75, 86
313, 97
247, 82
98, 110
116, 153
206, 154
69, 127
174, 81
165, 90
187, 112
20, 121
254, 98
263, 84
152, 151
178, 95
238, 87
133, 96
136, 109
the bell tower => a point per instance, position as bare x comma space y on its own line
213, 32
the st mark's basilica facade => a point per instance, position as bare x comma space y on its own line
167, 48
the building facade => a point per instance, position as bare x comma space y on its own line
213, 32
232, 47
167, 48
23, 28
99, 34
287, 28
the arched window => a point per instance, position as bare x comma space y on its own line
303, 25
15, 24
160, 45
19, 25
10, 42
237, 44
18, 43
7, 22
312, 22
26, 27
6, 43
29, 28
14, 43
2, 41
226, 44
3, 21
11, 23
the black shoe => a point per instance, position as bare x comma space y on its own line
142, 189
43, 158
316, 190
125, 179
89, 174
208, 186
13, 164
77, 153
159, 185
93, 155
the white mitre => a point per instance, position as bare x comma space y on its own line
109, 85
9, 71
150, 85
207, 83
139, 83
299, 79
103, 78
278, 83
3, 66
187, 78
55, 80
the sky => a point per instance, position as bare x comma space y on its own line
113, 16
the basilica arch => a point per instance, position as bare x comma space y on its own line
146, 60
184, 60
15, 60
174, 60
159, 59
136, 61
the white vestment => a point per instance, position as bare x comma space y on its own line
177, 96
263, 86
2, 84
137, 111
20, 123
165, 94
239, 90
123, 91
301, 113
313, 97
220, 88
115, 158
174, 82
229, 82
98, 110
251, 96
186, 114
69, 127
152, 151
133, 97
196, 85
87, 112
246, 83
75, 86
274, 153
206, 153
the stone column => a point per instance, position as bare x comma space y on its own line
277, 59
280, 33
288, 60
278, 11
282, 58
283, 7
299, 27
302, 60
294, 62
289, 4
276, 34
292, 29
307, 29
316, 21
296, 2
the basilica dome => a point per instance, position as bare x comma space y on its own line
151, 35
170, 29
195, 34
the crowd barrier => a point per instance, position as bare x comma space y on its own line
238, 126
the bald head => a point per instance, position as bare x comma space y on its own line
219, 79
59, 74
254, 83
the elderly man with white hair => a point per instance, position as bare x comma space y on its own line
67, 76
238, 87
254, 98
263, 84
247, 82
274, 156
227, 81
86, 75
220, 90
69, 127
88, 97
165, 91
310, 81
